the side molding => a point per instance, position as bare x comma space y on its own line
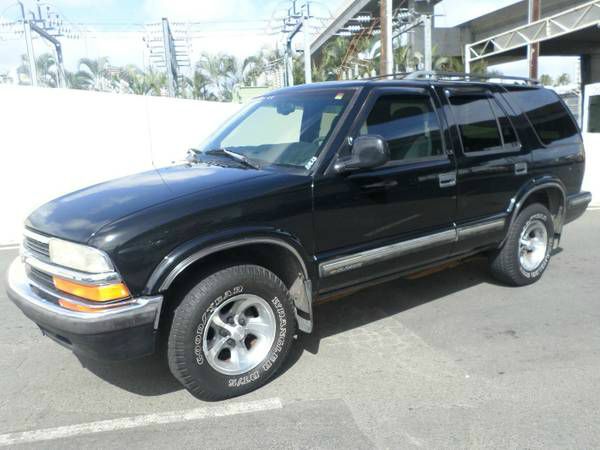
368, 257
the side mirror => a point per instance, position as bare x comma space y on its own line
368, 152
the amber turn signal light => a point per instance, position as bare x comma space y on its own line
104, 293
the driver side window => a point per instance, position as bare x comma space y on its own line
408, 123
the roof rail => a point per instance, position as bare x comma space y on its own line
456, 76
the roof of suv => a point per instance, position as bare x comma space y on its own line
415, 79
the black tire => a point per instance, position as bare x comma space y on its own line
505, 263
187, 358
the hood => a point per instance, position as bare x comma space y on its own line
78, 215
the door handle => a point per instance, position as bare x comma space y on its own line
447, 179
521, 168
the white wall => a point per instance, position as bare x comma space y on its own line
54, 141
591, 181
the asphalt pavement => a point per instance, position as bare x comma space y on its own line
451, 360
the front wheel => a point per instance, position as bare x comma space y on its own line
231, 332
527, 249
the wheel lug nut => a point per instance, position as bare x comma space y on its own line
223, 333
242, 321
231, 342
230, 320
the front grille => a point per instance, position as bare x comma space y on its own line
40, 277
37, 248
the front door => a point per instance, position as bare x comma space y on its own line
376, 222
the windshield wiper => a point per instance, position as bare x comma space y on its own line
233, 155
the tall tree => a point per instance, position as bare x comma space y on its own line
94, 74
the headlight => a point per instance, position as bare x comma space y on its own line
79, 257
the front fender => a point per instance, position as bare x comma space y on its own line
191, 251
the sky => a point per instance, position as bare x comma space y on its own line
239, 27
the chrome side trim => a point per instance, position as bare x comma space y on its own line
69, 274
36, 237
369, 257
471, 231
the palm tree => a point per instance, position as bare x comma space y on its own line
131, 79
94, 74
546, 80
223, 73
46, 67
563, 80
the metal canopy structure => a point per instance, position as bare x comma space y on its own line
576, 24
350, 10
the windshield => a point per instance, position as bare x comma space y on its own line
287, 129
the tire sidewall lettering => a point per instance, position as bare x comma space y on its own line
273, 355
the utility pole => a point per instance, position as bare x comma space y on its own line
29, 44
387, 51
170, 57
428, 49
533, 50
45, 29
30, 54
307, 58
57, 47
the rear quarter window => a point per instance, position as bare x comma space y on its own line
548, 115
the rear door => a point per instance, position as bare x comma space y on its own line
492, 163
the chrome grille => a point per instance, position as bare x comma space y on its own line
36, 247
40, 277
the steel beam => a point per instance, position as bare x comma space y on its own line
568, 21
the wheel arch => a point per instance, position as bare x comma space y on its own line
278, 252
550, 192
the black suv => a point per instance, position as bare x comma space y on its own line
306, 193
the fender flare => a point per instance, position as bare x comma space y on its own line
533, 186
178, 260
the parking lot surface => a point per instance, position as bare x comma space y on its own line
451, 360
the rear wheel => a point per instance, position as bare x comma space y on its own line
527, 249
231, 332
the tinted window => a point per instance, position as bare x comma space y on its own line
509, 137
288, 130
408, 123
546, 113
477, 123
594, 114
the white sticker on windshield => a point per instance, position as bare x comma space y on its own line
310, 163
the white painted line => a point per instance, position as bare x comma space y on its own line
9, 247
125, 423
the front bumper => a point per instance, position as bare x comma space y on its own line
123, 332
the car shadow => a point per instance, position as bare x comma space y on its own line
150, 376
376, 303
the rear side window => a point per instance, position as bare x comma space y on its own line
477, 123
408, 123
509, 136
547, 114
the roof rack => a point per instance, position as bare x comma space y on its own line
456, 76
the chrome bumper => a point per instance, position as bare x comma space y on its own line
97, 333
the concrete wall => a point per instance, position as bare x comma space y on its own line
591, 181
54, 141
